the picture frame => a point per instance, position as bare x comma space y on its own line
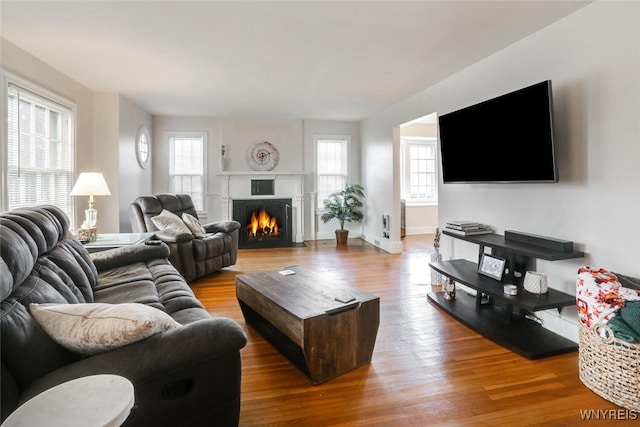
492, 266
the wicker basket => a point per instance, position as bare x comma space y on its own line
609, 366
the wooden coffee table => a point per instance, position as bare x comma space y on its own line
300, 316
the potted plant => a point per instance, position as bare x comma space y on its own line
345, 206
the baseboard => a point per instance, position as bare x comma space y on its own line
421, 230
332, 235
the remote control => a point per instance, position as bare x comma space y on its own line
345, 297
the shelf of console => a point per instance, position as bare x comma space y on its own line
498, 241
494, 319
521, 335
466, 272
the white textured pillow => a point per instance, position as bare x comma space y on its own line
94, 328
167, 220
194, 225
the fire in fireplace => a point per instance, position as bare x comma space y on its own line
266, 223
262, 225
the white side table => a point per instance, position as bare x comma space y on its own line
96, 400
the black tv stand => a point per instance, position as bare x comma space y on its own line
504, 319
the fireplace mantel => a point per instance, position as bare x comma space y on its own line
236, 185
261, 174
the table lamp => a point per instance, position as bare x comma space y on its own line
90, 184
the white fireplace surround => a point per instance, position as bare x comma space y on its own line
287, 185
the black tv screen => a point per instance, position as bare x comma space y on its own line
504, 139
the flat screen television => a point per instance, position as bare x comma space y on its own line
504, 139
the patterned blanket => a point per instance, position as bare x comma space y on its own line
600, 296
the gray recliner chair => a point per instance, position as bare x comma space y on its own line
194, 257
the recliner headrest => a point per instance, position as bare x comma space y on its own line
26, 234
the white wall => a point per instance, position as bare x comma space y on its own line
134, 180
117, 121
16, 62
106, 126
421, 219
380, 160
106, 159
292, 137
593, 60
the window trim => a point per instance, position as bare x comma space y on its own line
405, 143
348, 176
189, 134
8, 79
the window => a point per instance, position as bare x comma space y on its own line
142, 147
186, 165
419, 170
39, 151
332, 165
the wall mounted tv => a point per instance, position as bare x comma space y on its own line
504, 139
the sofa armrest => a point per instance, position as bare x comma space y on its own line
222, 226
170, 236
126, 255
185, 349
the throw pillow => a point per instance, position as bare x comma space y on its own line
93, 328
194, 225
167, 220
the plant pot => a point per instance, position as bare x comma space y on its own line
341, 237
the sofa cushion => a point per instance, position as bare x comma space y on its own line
155, 283
94, 328
177, 203
208, 247
194, 225
169, 221
26, 234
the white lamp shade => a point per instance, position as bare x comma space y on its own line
90, 184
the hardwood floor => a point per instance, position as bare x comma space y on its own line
427, 368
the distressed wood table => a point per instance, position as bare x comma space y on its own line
324, 328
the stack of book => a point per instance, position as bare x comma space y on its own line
467, 228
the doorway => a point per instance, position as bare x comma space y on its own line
418, 174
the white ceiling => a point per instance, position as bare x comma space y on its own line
325, 60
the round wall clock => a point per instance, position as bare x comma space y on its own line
262, 156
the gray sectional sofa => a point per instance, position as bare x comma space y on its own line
188, 375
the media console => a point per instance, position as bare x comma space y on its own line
496, 315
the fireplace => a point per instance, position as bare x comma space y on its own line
265, 223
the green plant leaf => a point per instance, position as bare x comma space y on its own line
345, 205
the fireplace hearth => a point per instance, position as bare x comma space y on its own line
265, 223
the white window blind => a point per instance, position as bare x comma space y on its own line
39, 151
332, 165
186, 166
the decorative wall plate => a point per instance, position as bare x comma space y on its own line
262, 156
